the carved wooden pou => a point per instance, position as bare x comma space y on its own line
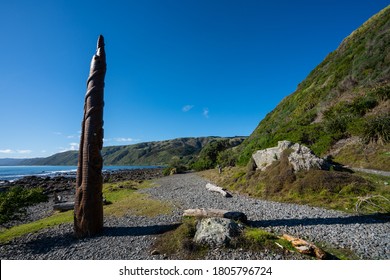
88, 209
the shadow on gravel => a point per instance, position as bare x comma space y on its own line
45, 244
138, 231
362, 219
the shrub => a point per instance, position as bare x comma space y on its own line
377, 129
227, 158
175, 164
203, 164
362, 104
356, 127
209, 154
337, 118
381, 93
343, 118
322, 145
14, 201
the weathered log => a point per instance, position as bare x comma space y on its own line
305, 247
63, 206
210, 213
214, 188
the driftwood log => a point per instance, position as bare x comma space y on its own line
210, 213
63, 206
214, 188
305, 247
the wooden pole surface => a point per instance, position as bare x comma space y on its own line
88, 210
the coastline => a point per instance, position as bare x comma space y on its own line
10, 173
62, 180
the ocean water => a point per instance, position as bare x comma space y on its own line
10, 173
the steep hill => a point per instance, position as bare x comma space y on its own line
148, 153
342, 107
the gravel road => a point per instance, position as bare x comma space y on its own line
131, 237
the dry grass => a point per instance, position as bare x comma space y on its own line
327, 189
365, 156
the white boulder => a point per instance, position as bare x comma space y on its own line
301, 157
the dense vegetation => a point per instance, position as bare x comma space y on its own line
14, 201
217, 152
346, 95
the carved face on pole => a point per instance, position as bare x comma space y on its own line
88, 212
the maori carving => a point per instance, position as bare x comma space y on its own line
88, 209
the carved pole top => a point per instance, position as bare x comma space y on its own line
98, 62
100, 48
100, 42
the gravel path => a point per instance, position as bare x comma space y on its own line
371, 171
131, 237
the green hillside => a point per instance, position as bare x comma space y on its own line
148, 153
158, 153
342, 108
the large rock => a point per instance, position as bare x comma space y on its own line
301, 157
264, 158
216, 232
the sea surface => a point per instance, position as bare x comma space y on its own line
11, 173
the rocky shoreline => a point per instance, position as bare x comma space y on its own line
67, 181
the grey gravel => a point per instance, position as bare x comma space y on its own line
132, 237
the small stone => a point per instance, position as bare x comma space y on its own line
155, 252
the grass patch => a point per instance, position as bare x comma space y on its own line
255, 239
338, 253
254, 235
16, 231
136, 204
124, 199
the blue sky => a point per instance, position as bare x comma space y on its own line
175, 68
